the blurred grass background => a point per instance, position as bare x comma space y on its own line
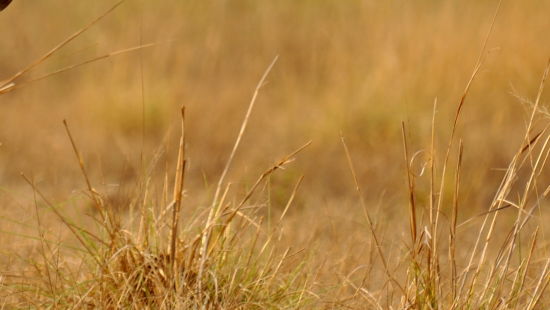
356, 68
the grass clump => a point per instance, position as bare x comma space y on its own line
224, 261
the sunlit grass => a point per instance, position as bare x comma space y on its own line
436, 214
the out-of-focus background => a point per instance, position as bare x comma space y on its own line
351, 68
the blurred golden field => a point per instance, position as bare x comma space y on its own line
353, 69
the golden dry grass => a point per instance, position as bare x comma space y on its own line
459, 223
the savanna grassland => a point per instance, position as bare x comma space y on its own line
284, 154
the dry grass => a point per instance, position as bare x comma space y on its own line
424, 187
